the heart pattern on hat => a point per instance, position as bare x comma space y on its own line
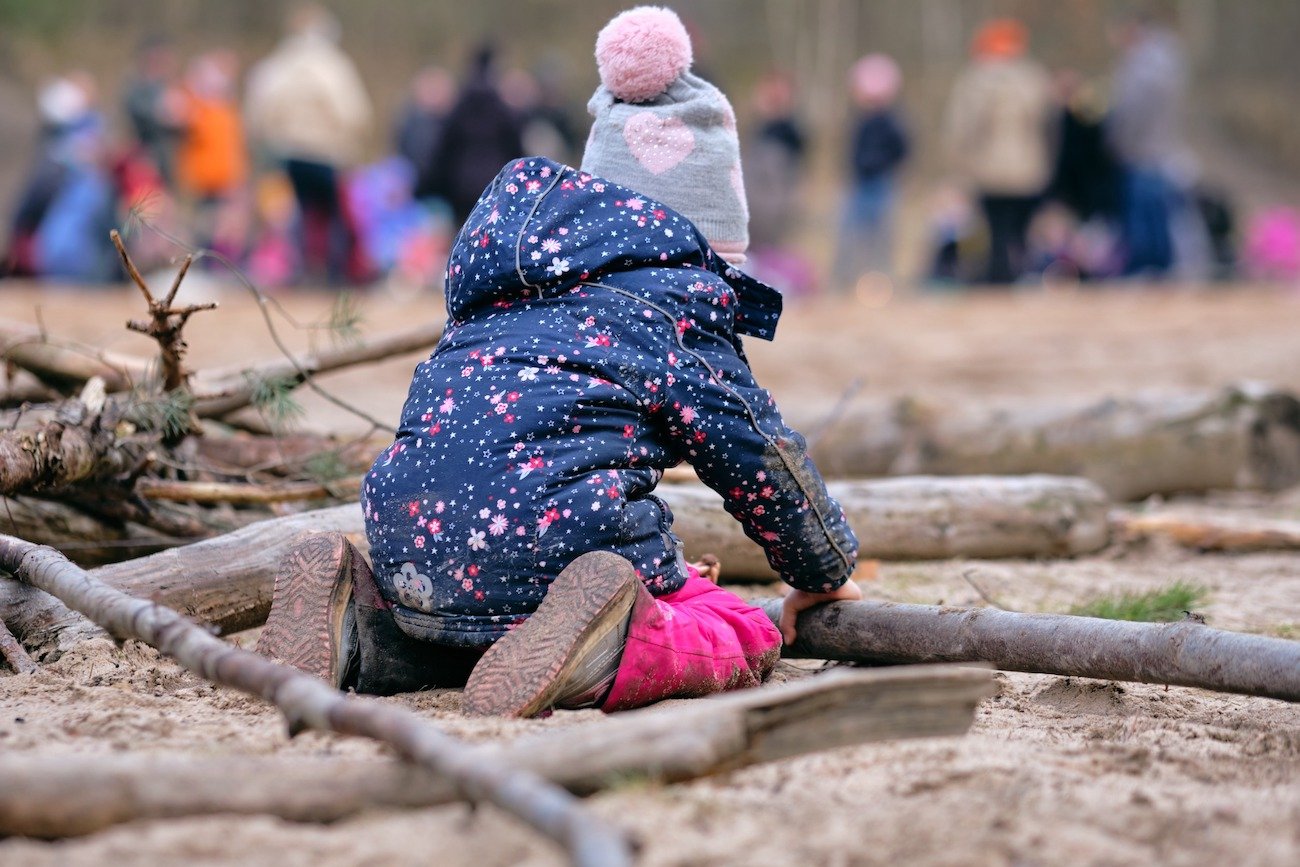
658, 143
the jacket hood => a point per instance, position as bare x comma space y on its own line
541, 227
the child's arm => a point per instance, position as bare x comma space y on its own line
729, 430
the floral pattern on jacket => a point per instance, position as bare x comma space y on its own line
592, 342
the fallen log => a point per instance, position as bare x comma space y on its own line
1229, 535
90, 539
1245, 437
52, 796
308, 703
1177, 654
13, 653
225, 581
61, 455
921, 518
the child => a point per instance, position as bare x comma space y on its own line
592, 342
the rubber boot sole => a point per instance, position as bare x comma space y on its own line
524, 672
309, 607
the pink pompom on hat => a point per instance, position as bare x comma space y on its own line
664, 131
876, 79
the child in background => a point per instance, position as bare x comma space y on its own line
593, 341
879, 147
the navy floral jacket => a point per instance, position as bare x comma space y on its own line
592, 342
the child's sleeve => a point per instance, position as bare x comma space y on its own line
730, 431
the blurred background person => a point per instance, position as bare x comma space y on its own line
420, 124
998, 126
72, 208
307, 107
1145, 131
482, 134
776, 158
151, 102
878, 149
212, 157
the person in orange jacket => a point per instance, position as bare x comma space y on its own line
212, 157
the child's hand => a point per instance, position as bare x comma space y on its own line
709, 568
801, 600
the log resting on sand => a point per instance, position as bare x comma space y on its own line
51, 796
1246, 437
1178, 654
226, 581
310, 703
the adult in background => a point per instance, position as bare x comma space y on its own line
1145, 132
482, 133
879, 147
420, 124
308, 109
999, 129
151, 102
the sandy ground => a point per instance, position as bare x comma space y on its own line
1055, 771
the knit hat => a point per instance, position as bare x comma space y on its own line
664, 131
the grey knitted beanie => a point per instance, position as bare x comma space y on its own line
664, 131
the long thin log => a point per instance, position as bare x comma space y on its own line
226, 581
1245, 437
920, 518
308, 703
1234, 535
221, 392
1178, 654
50, 796
245, 494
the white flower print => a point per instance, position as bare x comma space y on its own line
558, 266
528, 374
477, 540
550, 245
498, 525
535, 256
484, 514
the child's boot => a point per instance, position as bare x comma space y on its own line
567, 653
312, 625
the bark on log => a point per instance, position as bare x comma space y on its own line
85, 538
919, 519
1242, 437
1235, 535
61, 455
1178, 654
13, 653
52, 797
308, 703
221, 392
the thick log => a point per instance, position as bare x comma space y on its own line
920, 518
87, 539
1226, 534
309, 703
1244, 437
225, 581
51, 796
1178, 654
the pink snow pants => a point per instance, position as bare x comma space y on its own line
696, 641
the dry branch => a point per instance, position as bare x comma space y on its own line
221, 392
59, 797
1178, 654
1235, 535
1241, 437
309, 703
65, 363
